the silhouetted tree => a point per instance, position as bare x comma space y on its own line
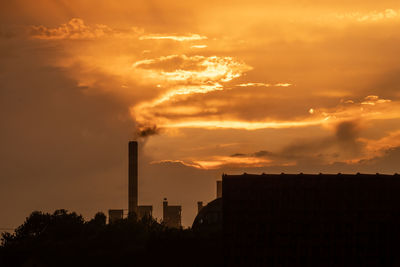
65, 239
99, 219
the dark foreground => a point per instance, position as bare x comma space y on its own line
66, 239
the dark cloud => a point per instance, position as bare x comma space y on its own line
238, 155
347, 132
263, 153
343, 142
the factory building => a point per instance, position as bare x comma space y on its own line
172, 215
133, 168
209, 217
219, 189
311, 220
133, 207
115, 215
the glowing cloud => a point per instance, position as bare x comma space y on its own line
371, 108
199, 46
239, 162
378, 147
283, 84
182, 75
216, 162
254, 84
264, 85
193, 69
244, 125
178, 38
374, 100
370, 16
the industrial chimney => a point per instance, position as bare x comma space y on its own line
133, 177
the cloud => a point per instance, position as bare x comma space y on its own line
264, 85
374, 100
245, 125
254, 84
178, 38
374, 16
226, 109
76, 29
199, 46
344, 142
193, 69
183, 76
179, 163
218, 162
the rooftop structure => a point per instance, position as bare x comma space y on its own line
311, 220
115, 215
172, 215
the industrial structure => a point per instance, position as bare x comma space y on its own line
115, 215
133, 177
133, 169
311, 220
133, 207
292, 219
172, 215
219, 188
209, 217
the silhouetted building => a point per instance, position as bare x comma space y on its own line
145, 211
209, 218
311, 220
172, 215
219, 189
115, 215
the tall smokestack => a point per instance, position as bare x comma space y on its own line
133, 177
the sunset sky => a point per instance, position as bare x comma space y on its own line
207, 87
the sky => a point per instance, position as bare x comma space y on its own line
206, 87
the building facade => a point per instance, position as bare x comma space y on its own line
172, 215
311, 220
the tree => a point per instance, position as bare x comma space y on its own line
99, 219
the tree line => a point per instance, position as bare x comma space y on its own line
65, 239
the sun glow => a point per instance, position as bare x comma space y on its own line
226, 124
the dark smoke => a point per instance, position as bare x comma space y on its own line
347, 131
145, 131
344, 139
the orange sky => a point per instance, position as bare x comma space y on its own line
219, 86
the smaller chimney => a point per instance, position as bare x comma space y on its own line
199, 206
165, 203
